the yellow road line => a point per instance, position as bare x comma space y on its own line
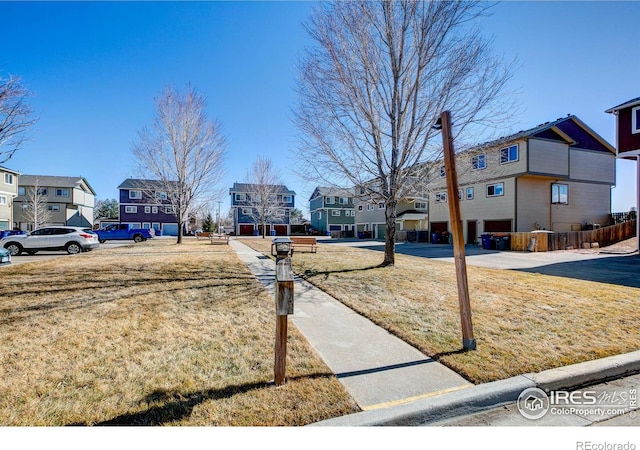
412, 399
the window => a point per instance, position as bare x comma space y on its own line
147, 209
154, 210
3, 199
8, 178
22, 190
53, 207
420, 205
381, 206
161, 195
560, 193
635, 120
131, 209
495, 190
509, 154
241, 197
135, 194
360, 207
319, 215
247, 211
370, 207
335, 212
43, 191
168, 210
344, 201
352, 213
443, 172
441, 197
479, 162
460, 194
287, 199
330, 201
62, 192
469, 193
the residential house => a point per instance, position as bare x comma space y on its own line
146, 204
248, 206
8, 191
332, 209
556, 176
628, 139
69, 200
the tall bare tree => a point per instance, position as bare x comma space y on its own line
376, 81
183, 152
35, 209
264, 190
16, 116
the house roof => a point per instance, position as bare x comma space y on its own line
249, 187
332, 190
135, 183
54, 181
570, 129
5, 169
627, 104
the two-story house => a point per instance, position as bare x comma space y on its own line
8, 191
69, 200
253, 204
332, 209
556, 176
146, 204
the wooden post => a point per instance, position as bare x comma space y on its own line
468, 341
284, 306
280, 367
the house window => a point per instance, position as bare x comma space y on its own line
443, 172
135, 194
43, 191
420, 205
53, 207
161, 195
479, 162
460, 194
469, 193
360, 208
560, 193
335, 212
131, 209
353, 213
241, 197
319, 215
3, 199
495, 190
22, 190
287, 199
509, 154
62, 192
247, 211
8, 178
381, 206
370, 207
344, 201
147, 209
168, 210
441, 197
330, 201
154, 210
635, 120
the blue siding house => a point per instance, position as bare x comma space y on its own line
145, 204
248, 209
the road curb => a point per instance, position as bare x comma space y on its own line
490, 395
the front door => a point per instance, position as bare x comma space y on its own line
472, 231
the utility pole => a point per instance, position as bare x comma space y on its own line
468, 341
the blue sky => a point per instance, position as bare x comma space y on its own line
95, 68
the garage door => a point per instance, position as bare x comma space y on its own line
170, 229
439, 227
281, 230
246, 230
497, 226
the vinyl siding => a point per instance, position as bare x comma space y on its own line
592, 166
548, 157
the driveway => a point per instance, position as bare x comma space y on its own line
592, 265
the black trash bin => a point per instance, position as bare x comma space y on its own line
444, 237
423, 236
503, 242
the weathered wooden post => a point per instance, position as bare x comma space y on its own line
284, 304
468, 341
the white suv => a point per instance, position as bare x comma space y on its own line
72, 239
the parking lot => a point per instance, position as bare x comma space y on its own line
45, 255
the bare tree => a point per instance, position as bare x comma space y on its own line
35, 209
15, 116
183, 152
264, 191
373, 87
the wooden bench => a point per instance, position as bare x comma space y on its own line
303, 242
219, 239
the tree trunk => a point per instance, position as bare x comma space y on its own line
390, 238
180, 225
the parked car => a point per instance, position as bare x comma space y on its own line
71, 239
119, 231
6, 233
5, 256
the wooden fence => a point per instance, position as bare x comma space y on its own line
542, 242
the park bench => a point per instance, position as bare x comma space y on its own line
219, 239
303, 243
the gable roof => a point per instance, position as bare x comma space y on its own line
54, 181
569, 129
249, 187
5, 169
625, 105
333, 191
135, 183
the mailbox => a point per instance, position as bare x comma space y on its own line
282, 247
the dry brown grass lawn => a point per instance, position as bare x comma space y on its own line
151, 334
523, 322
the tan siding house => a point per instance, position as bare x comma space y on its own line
8, 191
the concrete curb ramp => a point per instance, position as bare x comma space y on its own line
489, 395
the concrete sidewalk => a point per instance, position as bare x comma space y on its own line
376, 368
